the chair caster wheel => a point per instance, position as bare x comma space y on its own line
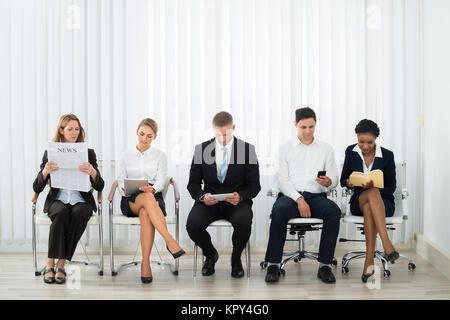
411, 266
175, 273
334, 263
114, 273
297, 260
283, 272
344, 270
86, 264
263, 264
37, 273
387, 273
100, 273
135, 263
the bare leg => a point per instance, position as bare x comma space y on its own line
373, 198
147, 201
60, 264
371, 236
147, 238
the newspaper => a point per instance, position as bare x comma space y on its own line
68, 157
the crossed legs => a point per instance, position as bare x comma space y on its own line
151, 217
372, 206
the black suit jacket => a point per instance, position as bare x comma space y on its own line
386, 164
242, 174
39, 183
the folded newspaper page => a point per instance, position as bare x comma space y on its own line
68, 157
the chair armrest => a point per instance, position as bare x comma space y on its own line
35, 197
113, 191
176, 191
99, 197
273, 192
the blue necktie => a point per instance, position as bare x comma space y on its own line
224, 166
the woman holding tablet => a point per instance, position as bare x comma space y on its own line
69, 210
149, 163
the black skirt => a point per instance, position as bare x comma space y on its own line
389, 207
125, 205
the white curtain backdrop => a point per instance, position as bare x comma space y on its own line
115, 62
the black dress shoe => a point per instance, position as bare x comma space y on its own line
146, 279
392, 257
366, 277
49, 279
326, 275
236, 269
176, 254
273, 273
208, 266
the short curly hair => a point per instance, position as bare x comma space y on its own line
367, 126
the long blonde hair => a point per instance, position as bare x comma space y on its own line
63, 121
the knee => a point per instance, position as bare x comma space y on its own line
61, 216
149, 198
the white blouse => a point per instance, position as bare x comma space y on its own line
378, 154
150, 164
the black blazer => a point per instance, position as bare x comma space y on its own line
39, 183
242, 174
386, 164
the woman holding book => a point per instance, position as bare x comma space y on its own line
374, 204
149, 163
69, 210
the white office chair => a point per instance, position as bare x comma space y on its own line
41, 219
401, 197
299, 226
223, 223
119, 219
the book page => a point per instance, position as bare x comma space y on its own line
68, 157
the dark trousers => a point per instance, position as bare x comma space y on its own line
285, 209
68, 225
240, 216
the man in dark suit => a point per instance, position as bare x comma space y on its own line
223, 164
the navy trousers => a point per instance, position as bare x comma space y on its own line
285, 209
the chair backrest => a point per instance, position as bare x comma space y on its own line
400, 169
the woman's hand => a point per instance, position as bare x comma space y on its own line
87, 168
124, 192
349, 184
50, 167
368, 185
147, 188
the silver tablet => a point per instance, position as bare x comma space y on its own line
220, 197
132, 185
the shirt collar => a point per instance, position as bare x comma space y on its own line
296, 142
378, 152
228, 145
137, 152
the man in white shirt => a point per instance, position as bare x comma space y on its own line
304, 194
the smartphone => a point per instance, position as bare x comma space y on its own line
321, 173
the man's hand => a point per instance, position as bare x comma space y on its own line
234, 199
324, 181
303, 208
209, 201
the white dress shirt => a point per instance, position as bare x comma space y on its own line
69, 196
219, 154
150, 165
299, 165
378, 154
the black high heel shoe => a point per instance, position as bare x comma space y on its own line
146, 279
366, 277
392, 257
176, 254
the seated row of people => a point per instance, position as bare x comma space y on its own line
228, 165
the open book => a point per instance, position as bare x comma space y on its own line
359, 178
